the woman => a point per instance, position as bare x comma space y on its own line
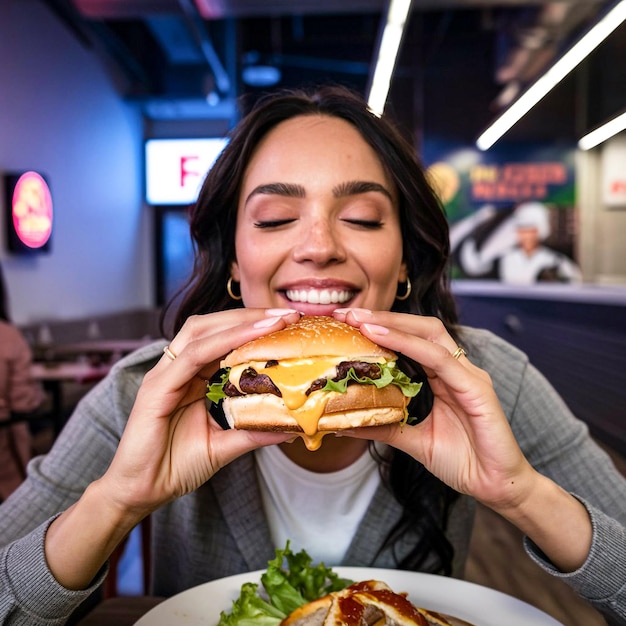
19, 393
314, 200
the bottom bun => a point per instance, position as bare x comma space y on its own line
310, 614
361, 405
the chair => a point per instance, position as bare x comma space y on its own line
13, 457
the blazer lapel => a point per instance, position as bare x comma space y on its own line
237, 491
383, 513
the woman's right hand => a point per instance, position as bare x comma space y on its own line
171, 445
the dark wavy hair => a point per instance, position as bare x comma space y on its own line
424, 227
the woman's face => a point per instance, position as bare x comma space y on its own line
317, 222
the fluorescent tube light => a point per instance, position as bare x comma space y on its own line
583, 47
397, 13
602, 133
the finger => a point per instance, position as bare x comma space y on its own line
204, 353
428, 328
436, 358
231, 444
201, 326
400, 436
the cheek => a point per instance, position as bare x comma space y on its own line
257, 262
382, 267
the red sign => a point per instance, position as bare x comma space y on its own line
32, 210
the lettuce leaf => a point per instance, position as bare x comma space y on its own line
249, 609
390, 374
300, 581
216, 390
290, 581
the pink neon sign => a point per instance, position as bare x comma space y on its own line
32, 210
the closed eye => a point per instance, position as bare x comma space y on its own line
370, 224
272, 223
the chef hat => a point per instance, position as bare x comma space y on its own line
533, 215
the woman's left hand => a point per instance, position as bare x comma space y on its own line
466, 440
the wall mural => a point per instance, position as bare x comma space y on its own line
511, 211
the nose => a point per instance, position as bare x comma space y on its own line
320, 243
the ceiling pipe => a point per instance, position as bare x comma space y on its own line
198, 29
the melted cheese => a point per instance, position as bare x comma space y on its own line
293, 378
308, 414
313, 442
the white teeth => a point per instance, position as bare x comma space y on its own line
315, 296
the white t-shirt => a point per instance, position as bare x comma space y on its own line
315, 512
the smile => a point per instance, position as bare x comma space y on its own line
319, 296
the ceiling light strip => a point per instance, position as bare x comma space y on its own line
602, 133
397, 13
582, 48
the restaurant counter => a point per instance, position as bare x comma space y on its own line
574, 334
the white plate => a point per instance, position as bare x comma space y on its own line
201, 605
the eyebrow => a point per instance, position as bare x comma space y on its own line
280, 189
355, 187
290, 190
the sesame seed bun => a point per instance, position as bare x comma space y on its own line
311, 336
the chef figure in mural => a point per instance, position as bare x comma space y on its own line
509, 246
531, 261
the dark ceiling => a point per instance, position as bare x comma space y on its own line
458, 60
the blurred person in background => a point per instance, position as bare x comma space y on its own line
19, 393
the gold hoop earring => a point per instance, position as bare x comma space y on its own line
229, 289
408, 291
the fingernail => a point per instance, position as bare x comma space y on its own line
358, 314
375, 329
347, 432
266, 321
279, 312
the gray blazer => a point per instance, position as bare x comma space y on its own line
221, 529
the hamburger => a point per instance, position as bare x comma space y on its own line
367, 603
314, 377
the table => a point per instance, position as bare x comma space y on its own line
71, 371
54, 374
105, 348
122, 611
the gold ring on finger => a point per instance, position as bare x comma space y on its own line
458, 353
168, 353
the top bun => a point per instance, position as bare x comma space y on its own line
311, 336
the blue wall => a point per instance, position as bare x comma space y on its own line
60, 115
